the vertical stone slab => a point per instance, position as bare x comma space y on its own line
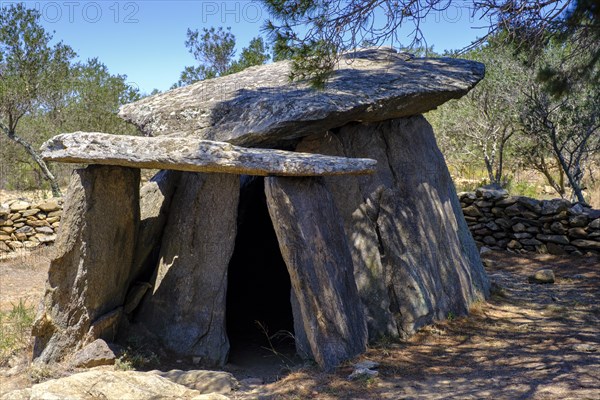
327, 310
186, 309
358, 203
89, 275
155, 201
431, 257
414, 258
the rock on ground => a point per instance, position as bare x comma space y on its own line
544, 275
108, 385
203, 381
94, 354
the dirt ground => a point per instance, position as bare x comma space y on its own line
528, 341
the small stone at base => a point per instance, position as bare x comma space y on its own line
542, 276
362, 373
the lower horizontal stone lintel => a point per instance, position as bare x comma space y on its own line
194, 155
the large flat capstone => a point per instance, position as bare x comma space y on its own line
194, 155
260, 107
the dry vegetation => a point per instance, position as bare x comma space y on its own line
527, 341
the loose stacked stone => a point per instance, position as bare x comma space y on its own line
523, 224
27, 225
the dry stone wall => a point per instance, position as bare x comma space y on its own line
523, 224
496, 220
24, 225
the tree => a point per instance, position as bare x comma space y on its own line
532, 25
255, 54
481, 123
42, 93
316, 31
31, 73
214, 49
95, 100
567, 126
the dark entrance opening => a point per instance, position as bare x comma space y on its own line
258, 291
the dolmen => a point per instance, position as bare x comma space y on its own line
332, 209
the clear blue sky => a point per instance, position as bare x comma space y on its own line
145, 39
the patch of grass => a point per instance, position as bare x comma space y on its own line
136, 359
368, 382
40, 373
523, 188
123, 363
136, 356
15, 330
557, 311
478, 307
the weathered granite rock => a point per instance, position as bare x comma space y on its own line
211, 396
194, 155
327, 309
578, 220
586, 244
130, 385
559, 239
554, 206
472, 211
202, 381
260, 107
87, 279
545, 275
49, 206
186, 309
155, 201
514, 244
579, 233
135, 294
414, 257
362, 373
491, 193
94, 354
19, 205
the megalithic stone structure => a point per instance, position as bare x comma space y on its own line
369, 229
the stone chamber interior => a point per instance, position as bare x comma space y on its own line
258, 292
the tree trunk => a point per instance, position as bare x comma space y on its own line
565, 167
500, 166
43, 166
490, 169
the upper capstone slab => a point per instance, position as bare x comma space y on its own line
260, 107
